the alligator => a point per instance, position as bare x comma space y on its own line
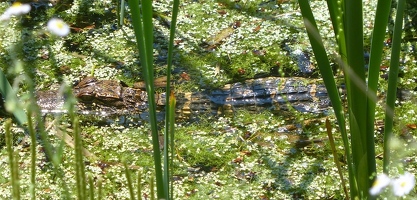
112, 97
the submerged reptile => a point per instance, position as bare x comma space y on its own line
110, 97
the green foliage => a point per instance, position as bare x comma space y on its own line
347, 20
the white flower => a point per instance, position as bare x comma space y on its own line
16, 9
58, 27
4, 17
380, 183
403, 184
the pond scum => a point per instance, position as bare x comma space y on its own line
244, 156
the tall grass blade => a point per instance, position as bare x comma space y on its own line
15, 174
336, 14
12, 161
79, 163
363, 156
377, 46
100, 189
143, 27
129, 180
347, 20
121, 12
91, 183
170, 107
332, 90
375, 59
151, 185
139, 185
171, 131
335, 157
355, 77
378, 35
33, 143
392, 82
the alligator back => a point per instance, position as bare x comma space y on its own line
105, 97
273, 93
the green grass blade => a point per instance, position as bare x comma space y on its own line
139, 185
392, 81
326, 71
129, 180
354, 71
100, 189
172, 103
91, 183
12, 161
15, 172
170, 107
151, 185
363, 157
336, 14
147, 15
167, 139
33, 143
121, 12
79, 162
322, 60
144, 38
377, 45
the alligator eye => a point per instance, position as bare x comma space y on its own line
236, 24
87, 81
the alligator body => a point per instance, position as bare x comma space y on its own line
108, 97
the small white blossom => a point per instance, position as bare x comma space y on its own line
4, 17
380, 183
58, 27
16, 9
403, 184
